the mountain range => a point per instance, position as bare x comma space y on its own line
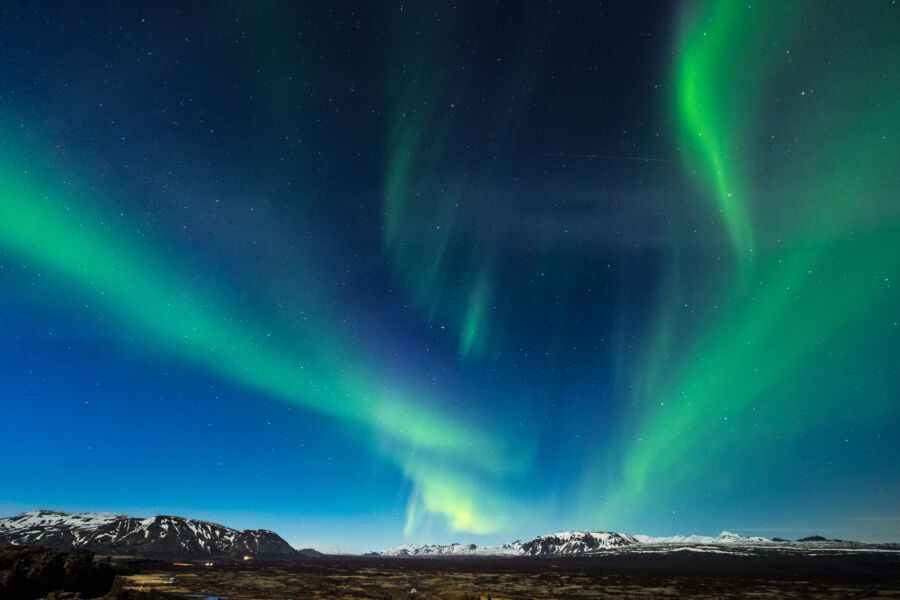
161, 536
172, 538
572, 543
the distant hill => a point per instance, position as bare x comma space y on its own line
164, 537
513, 549
584, 543
572, 543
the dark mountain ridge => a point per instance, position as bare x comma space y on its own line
162, 536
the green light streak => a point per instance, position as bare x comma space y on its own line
809, 302
464, 500
472, 338
714, 71
420, 217
438, 232
171, 318
809, 337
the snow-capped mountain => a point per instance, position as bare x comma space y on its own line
160, 536
726, 537
513, 549
556, 544
575, 542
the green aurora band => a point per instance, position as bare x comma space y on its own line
802, 340
439, 196
723, 41
793, 336
420, 225
147, 293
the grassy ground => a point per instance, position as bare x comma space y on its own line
497, 579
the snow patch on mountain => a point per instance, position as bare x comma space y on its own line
159, 536
576, 542
726, 537
454, 549
556, 544
579, 543
56, 518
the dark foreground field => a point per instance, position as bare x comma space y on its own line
678, 575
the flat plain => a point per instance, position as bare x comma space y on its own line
861, 575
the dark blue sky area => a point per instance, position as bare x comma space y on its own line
443, 272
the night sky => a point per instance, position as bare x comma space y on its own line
364, 273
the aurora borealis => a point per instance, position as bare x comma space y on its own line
365, 272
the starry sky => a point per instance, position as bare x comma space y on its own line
364, 273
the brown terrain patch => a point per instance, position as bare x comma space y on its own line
520, 579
